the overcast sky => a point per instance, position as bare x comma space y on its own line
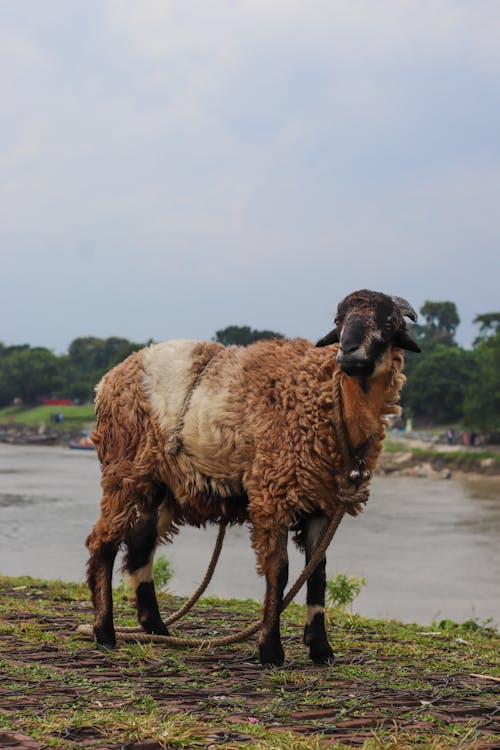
171, 168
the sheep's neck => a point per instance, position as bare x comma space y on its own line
367, 403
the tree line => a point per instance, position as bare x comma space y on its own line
446, 384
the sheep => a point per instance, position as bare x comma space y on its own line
191, 432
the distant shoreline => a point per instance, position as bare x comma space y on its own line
414, 458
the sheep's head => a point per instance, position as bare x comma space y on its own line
367, 325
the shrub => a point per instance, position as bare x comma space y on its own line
162, 572
342, 590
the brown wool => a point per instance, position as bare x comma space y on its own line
258, 427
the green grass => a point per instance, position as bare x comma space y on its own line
73, 416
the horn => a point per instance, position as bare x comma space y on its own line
406, 308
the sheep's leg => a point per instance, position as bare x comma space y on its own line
315, 632
274, 564
141, 544
99, 576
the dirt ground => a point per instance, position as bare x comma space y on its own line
59, 690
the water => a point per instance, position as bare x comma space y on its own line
428, 549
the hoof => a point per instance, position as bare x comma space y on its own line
158, 628
271, 656
322, 656
105, 639
106, 646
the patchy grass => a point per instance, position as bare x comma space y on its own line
74, 416
393, 685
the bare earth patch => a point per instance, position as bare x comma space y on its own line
392, 686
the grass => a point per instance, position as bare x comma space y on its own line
73, 416
393, 685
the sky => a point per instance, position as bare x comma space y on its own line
172, 167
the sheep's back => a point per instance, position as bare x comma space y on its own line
170, 371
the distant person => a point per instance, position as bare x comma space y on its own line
451, 436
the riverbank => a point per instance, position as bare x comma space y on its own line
415, 459
401, 457
392, 686
45, 425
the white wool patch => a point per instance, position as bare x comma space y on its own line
167, 378
312, 611
142, 575
209, 426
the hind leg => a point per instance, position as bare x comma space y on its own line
141, 541
103, 549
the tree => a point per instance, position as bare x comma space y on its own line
441, 322
90, 357
482, 395
436, 388
91, 354
29, 374
243, 335
489, 325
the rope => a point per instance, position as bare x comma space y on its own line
206, 580
353, 488
135, 635
189, 604
175, 442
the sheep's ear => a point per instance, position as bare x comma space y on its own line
330, 338
402, 340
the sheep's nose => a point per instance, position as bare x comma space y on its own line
348, 347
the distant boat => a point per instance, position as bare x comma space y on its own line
84, 444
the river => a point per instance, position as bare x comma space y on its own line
428, 549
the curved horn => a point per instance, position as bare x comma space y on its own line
406, 308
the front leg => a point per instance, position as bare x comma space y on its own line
272, 557
315, 635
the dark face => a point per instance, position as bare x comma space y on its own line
367, 325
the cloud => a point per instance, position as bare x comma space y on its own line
352, 31
250, 158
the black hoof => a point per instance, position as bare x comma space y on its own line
157, 628
271, 656
323, 659
105, 639
322, 654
